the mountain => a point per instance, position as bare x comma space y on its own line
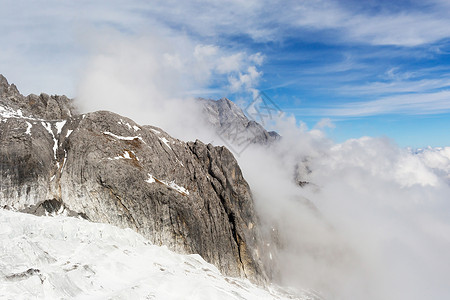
232, 125
105, 168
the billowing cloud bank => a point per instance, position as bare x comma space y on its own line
374, 221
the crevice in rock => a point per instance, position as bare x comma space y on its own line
120, 202
230, 215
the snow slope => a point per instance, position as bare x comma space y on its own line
62, 257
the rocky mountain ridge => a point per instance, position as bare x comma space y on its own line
106, 168
232, 125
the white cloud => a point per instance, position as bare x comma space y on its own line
257, 58
438, 160
231, 63
380, 226
325, 123
262, 20
408, 104
205, 51
397, 86
246, 81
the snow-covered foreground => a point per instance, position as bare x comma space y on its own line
61, 257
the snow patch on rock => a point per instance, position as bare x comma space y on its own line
170, 184
125, 138
165, 141
29, 126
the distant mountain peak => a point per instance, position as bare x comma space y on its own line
227, 118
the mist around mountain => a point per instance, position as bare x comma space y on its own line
106, 168
363, 219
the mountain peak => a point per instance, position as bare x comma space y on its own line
6, 89
228, 118
3, 80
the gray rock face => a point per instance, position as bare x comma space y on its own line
104, 167
233, 125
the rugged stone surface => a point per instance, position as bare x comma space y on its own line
104, 167
233, 125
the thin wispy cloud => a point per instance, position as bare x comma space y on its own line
404, 86
344, 56
273, 20
406, 104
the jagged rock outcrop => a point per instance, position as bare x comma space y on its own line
43, 106
104, 167
233, 125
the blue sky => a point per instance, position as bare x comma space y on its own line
375, 90
375, 68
